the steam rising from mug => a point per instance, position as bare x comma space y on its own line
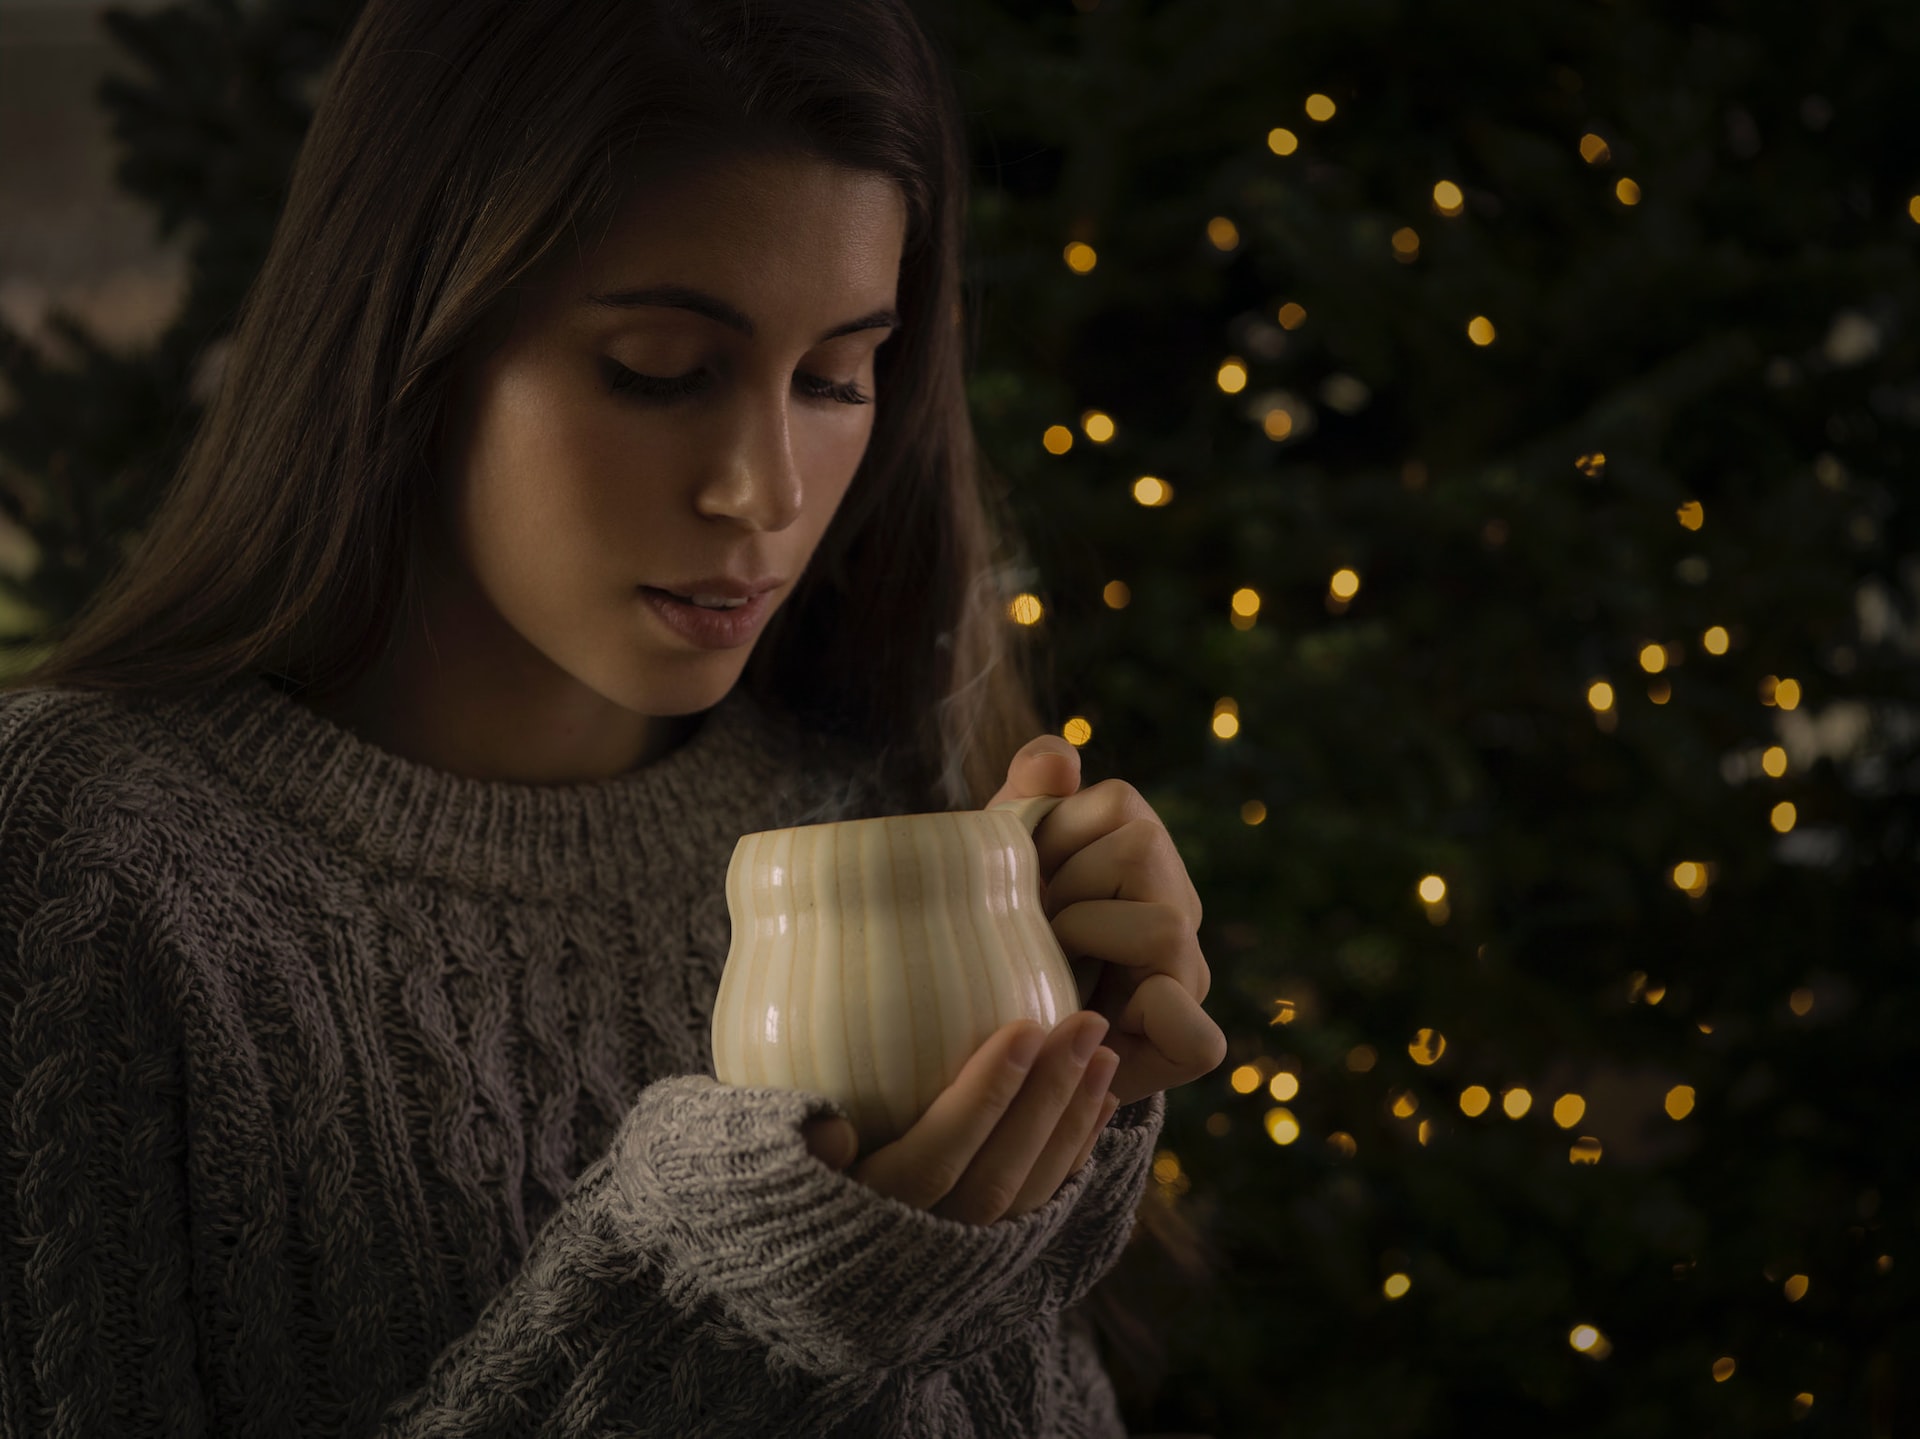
871, 957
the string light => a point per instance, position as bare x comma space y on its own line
1913, 209
1283, 1086
1628, 192
1715, 640
1345, 584
1653, 658
1480, 330
1690, 876
1395, 1286
1406, 244
1224, 234
1226, 719
1427, 1046
1594, 150
1448, 199
1152, 492
1516, 1102
1057, 440
1320, 108
1232, 375
1774, 761
1593, 466
1474, 1100
1245, 608
1600, 696
1098, 426
1116, 594
1282, 141
1679, 1102
1723, 1369
1282, 1127
1077, 731
1784, 816
1025, 609
1292, 315
1693, 514
1080, 257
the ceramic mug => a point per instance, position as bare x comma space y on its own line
871, 957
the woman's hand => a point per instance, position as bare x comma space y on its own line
1019, 1118
1114, 888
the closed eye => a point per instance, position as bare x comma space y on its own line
666, 390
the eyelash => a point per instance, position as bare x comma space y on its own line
666, 391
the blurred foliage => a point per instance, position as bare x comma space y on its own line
1741, 337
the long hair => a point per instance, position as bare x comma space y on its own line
457, 147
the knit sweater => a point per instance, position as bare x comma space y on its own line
347, 1096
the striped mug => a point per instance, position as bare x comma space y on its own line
871, 957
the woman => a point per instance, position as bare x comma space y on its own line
363, 840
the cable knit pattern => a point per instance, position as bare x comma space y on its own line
345, 1096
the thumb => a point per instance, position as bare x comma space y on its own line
831, 1140
1045, 764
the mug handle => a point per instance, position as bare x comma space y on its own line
1030, 811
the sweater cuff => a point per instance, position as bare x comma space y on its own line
835, 1277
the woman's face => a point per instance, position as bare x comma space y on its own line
568, 488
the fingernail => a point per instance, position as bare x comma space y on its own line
1089, 1037
1026, 1047
1100, 1071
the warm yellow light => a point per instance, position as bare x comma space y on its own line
1080, 257
1600, 695
1584, 1150
1166, 1166
1406, 243
1474, 1100
1722, 1370
1282, 141
1396, 1286
1223, 232
1659, 692
1628, 192
1251, 813
1427, 1046
1025, 609
1593, 466
1246, 602
1583, 1337
1361, 1058
1680, 1101
1653, 658
1690, 876
1715, 640
1913, 209
1292, 315
1282, 1127
1803, 1401
1447, 198
1784, 816
1567, 1110
1343, 1144
1795, 1288
1152, 491
1594, 150
1098, 425
1693, 514
1774, 761
1433, 889
1801, 1001
1284, 1086
1225, 725
1319, 107
1058, 439
1787, 694
1277, 423
1232, 376
1345, 584
1405, 1102
1077, 731
1516, 1102
1480, 330
1245, 1079
1116, 594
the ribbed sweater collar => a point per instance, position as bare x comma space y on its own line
529, 840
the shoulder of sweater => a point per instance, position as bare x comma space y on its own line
52, 741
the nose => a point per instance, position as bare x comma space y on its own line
757, 479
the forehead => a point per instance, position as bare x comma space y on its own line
770, 226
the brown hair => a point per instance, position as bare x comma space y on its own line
456, 145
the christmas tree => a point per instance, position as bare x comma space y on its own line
1460, 455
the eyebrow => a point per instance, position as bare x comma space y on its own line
683, 297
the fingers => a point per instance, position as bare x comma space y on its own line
1073, 1135
1138, 937
1022, 1161
1164, 1039
923, 1165
1107, 1106
831, 1140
